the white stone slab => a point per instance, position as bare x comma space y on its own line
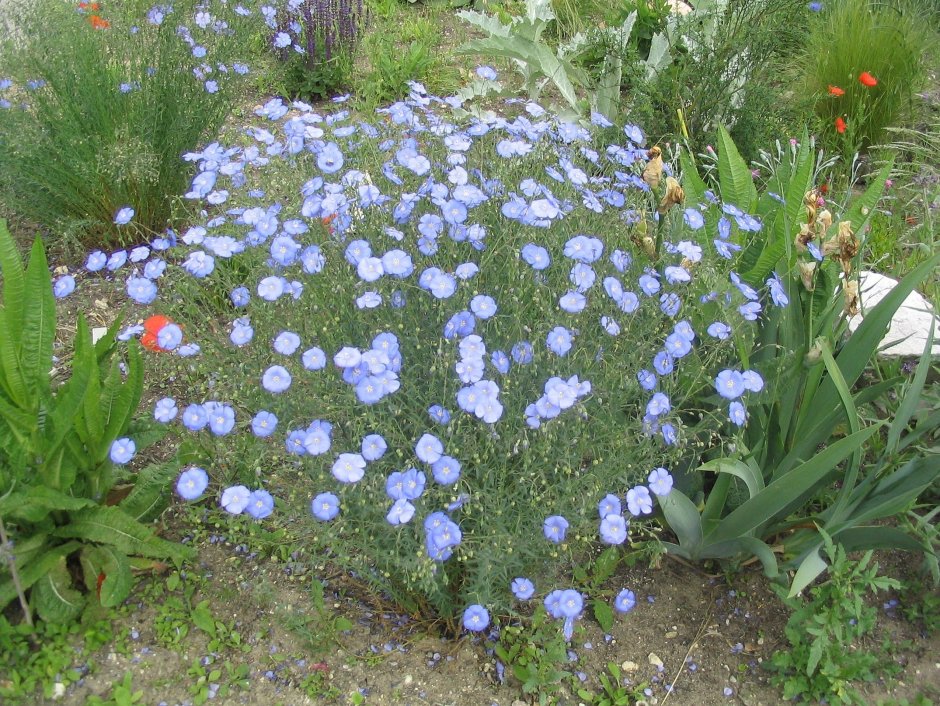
907, 334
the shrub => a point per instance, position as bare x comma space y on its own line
401, 49
421, 279
316, 41
887, 43
101, 110
704, 65
64, 448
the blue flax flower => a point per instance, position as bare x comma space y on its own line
554, 528
192, 483
325, 507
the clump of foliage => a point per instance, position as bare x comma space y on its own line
825, 655
64, 445
316, 42
862, 63
99, 112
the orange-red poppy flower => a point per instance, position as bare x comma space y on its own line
824, 188
149, 341
98, 23
867, 79
154, 323
835, 91
840, 125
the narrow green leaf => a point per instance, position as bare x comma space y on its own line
12, 378
69, 396
912, 397
750, 475
851, 414
692, 183
740, 548
776, 498
852, 359
864, 538
38, 331
14, 281
127, 399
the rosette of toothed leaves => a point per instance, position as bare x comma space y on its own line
60, 501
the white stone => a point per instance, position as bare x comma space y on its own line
907, 334
97, 333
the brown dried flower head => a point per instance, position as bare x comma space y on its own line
674, 195
653, 172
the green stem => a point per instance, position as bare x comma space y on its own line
16, 578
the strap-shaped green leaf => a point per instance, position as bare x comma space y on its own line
864, 538
69, 398
912, 397
740, 547
750, 475
38, 331
810, 567
779, 240
11, 373
692, 182
776, 498
128, 396
852, 359
14, 282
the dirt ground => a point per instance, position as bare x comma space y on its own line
693, 639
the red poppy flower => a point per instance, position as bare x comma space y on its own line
835, 91
867, 79
149, 341
98, 23
840, 125
154, 323
824, 188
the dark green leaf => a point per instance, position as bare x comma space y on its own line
38, 330
604, 615
111, 525
55, 598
